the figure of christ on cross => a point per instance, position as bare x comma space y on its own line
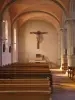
38, 36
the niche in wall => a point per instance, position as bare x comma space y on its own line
10, 49
4, 47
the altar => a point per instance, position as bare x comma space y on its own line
37, 61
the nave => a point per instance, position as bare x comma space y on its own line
23, 38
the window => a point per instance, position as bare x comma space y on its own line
14, 40
6, 33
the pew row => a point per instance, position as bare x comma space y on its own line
31, 78
71, 72
25, 70
26, 95
24, 84
25, 88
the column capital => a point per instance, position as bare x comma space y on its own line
69, 20
63, 29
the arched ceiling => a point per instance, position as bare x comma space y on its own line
38, 16
1, 3
23, 10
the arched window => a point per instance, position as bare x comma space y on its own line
6, 33
14, 40
14, 35
4, 37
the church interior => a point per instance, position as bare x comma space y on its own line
37, 49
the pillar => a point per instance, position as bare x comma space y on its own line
70, 42
11, 44
63, 49
59, 49
0, 41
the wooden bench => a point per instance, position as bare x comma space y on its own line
64, 66
71, 72
27, 88
28, 64
26, 83
26, 95
25, 69
28, 71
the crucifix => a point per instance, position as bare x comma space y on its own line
38, 37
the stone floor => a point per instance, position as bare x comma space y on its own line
63, 87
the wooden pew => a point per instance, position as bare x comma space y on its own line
64, 66
71, 72
28, 88
26, 95
26, 71
24, 81
24, 84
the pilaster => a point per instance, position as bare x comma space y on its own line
70, 42
0, 41
63, 48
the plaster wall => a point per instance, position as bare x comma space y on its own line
27, 43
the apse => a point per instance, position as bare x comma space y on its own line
27, 44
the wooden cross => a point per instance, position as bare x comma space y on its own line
38, 34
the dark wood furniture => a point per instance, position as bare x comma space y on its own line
31, 78
71, 72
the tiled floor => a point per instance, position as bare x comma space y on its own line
64, 88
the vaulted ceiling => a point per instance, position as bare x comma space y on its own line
23, 10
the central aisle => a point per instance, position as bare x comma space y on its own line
63, 87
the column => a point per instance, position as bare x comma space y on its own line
63, 49
59, 49
0, 41
14, 44
70, 42
11, 44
